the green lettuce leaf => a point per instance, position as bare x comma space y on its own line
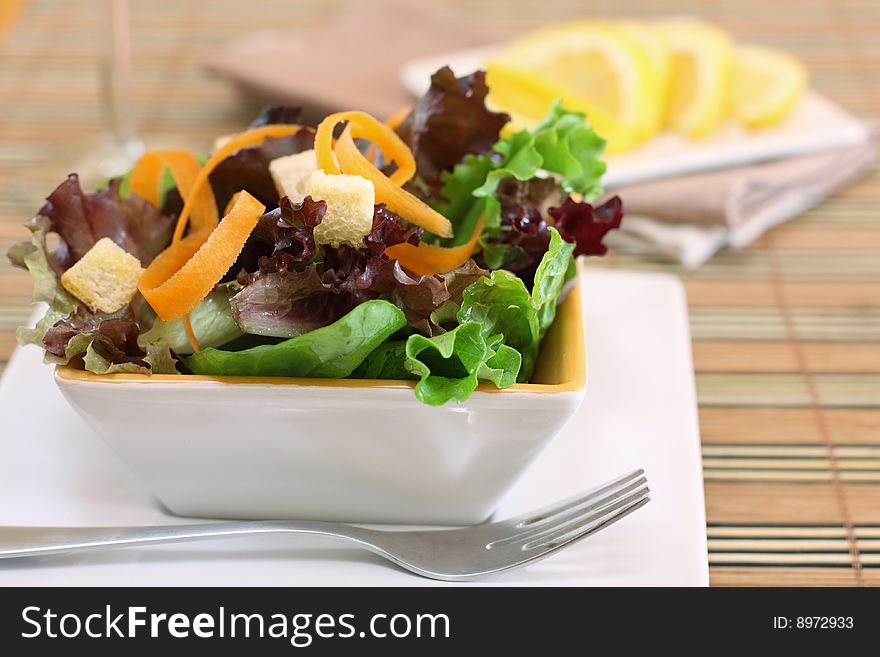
563, 143
47, 288
450, 365
211, 320
387, 361
333, 351
497, 254
460, 207
503, 368
501, 305
158, 357
570, 148
556, 267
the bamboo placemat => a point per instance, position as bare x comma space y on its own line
786, 333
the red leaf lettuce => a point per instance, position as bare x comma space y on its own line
448, 122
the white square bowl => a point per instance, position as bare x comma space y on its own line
347, 450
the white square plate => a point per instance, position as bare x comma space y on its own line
640, 411
817, 124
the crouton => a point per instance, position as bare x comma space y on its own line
105, 279
350, 205
291, 173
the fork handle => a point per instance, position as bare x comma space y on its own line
39, 541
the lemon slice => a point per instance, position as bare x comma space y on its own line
660, 62
595, 67
527, 98
768, 85
702, 75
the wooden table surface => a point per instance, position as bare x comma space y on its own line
786, 333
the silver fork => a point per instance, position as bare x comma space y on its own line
445, 554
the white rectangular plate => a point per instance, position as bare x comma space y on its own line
817, 124
640, 411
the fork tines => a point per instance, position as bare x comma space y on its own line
578, 516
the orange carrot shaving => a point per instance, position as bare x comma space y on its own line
173, 288
396, 198
394, 122
345, 157
365, 126
232, 201
145, 181
190, 334
184, 273
239, 141
146, 178
427, 259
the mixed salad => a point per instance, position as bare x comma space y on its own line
433, 247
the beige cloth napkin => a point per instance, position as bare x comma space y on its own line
689, 218
353, 61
